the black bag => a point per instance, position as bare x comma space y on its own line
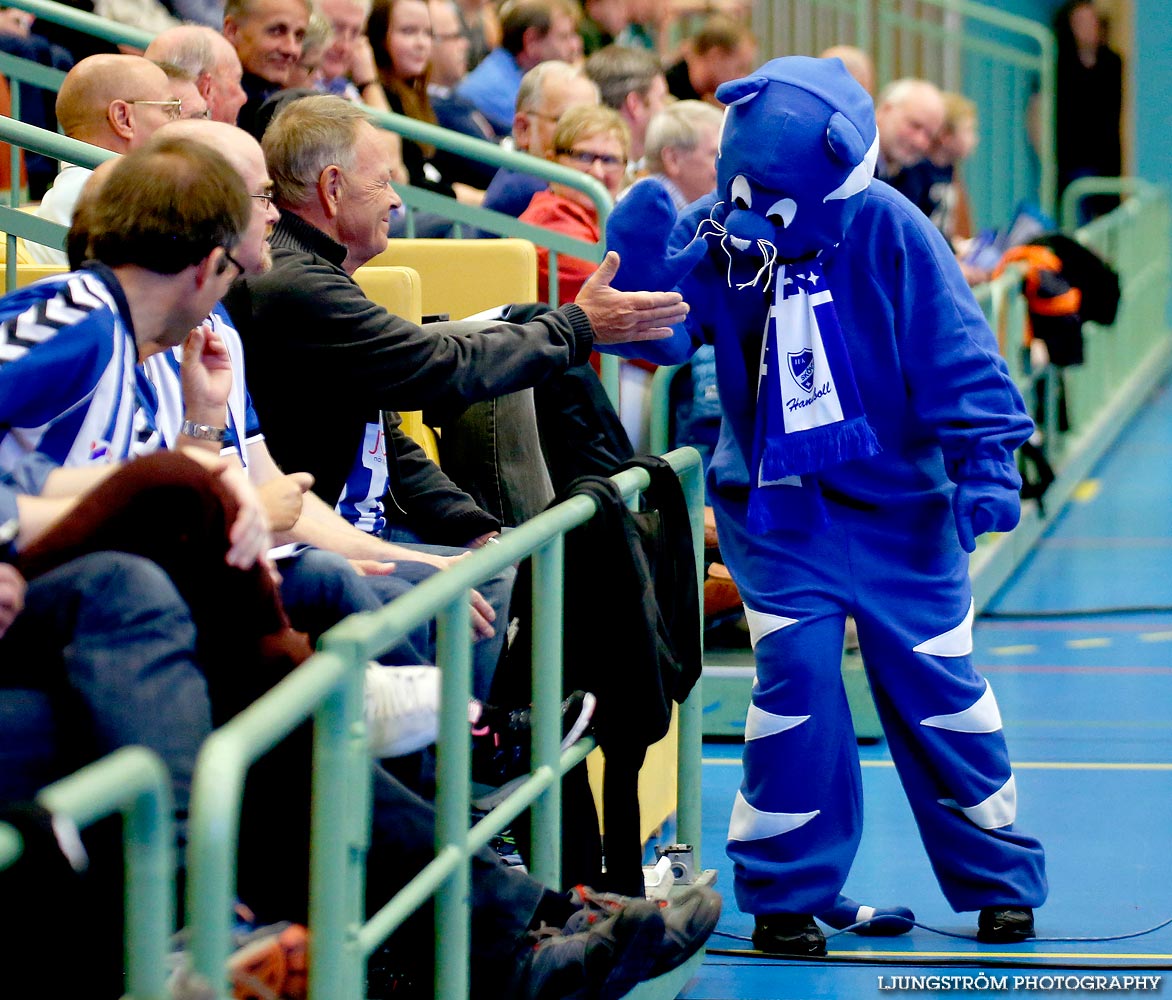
632, 637
1090, 274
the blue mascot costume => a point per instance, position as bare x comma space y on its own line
868, 436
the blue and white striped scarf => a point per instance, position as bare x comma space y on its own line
809, 415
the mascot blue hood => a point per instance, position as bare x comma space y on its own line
797, 153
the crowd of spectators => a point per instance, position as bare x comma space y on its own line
254, 116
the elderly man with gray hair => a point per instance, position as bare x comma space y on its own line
680, 150
332, 184
546, 91
212, 63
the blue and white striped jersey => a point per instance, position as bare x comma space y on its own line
70, 384
163, 372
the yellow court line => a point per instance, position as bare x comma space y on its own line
1025, 765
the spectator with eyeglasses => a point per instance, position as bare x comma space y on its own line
594, 140
449, 65
184, 90
547, 91
112, 101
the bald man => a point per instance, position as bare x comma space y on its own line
112, 101
908, 114
211, 60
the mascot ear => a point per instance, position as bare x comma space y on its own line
844, 140
739, 91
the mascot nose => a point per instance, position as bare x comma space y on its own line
745, 228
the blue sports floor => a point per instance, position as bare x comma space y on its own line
1086, 698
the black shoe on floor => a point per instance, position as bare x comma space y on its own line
788, 934
1005, 924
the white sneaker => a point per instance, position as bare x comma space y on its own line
402, 709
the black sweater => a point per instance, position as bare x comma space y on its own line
323, 360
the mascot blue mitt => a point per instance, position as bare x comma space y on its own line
867, 438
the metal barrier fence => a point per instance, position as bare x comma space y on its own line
134, 783
997, 59
328, 688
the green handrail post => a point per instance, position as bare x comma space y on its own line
11, 845
133, 781
453, 800
689, 767
337, 894
546, 667
87, 23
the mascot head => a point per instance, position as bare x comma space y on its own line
797, 153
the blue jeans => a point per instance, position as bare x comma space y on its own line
103, 656
497, 590
321, 588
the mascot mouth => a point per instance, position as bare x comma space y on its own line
738, 243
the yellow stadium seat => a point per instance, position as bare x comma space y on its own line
26, 274
399, 290
463, 277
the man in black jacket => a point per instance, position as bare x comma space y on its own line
323, 359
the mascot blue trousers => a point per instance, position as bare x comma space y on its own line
798, 817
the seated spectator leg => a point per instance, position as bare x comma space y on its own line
321, 588
492, 451
109, 634
497, 590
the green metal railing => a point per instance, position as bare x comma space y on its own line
134, 783
328, 688
998, 59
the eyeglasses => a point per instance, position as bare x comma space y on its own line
545, 117
174, 109
585, 158
234, 262
265, 196
205, 114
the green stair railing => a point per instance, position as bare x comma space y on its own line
131, 782
328, 688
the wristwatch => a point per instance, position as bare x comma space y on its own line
203, 432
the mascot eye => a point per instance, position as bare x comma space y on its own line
741, 195
782, 212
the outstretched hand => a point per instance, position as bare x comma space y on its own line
621, 317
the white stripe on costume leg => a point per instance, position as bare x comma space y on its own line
748, 823
982, 716
761, 723
762, 624
998, 810
956, 641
